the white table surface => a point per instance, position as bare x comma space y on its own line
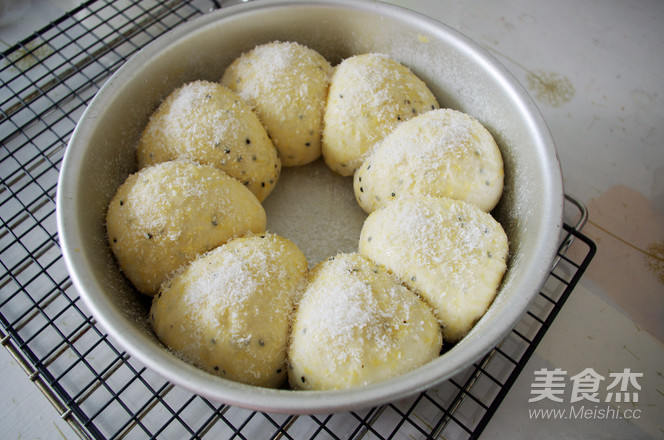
596, 70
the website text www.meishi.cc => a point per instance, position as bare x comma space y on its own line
584, 412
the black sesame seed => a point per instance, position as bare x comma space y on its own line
121, 202
262, 184
227, 150
279, 370
361, 189
341, 96
307, 144
303, 379
359, 179
248, 141
115, 240
398, 117
149, 236
261, 342
216, 368
393, 194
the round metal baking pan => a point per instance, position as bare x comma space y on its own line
101, 154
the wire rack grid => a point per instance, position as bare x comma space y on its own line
46, 82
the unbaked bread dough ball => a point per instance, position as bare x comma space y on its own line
229, 311
369, 95
442, 153
165, 215
450, 252
207, 123
356, 324
286, 84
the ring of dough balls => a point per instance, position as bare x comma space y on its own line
207, 123
286, 84
229, 311
356, 324
165, 215
369, 95
450, 252
190, 224
443, 153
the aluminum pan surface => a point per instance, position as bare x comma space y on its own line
461, 74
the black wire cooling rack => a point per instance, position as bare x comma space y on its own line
46, 82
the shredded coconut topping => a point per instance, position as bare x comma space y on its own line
431, 143
231, 283
349, 312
